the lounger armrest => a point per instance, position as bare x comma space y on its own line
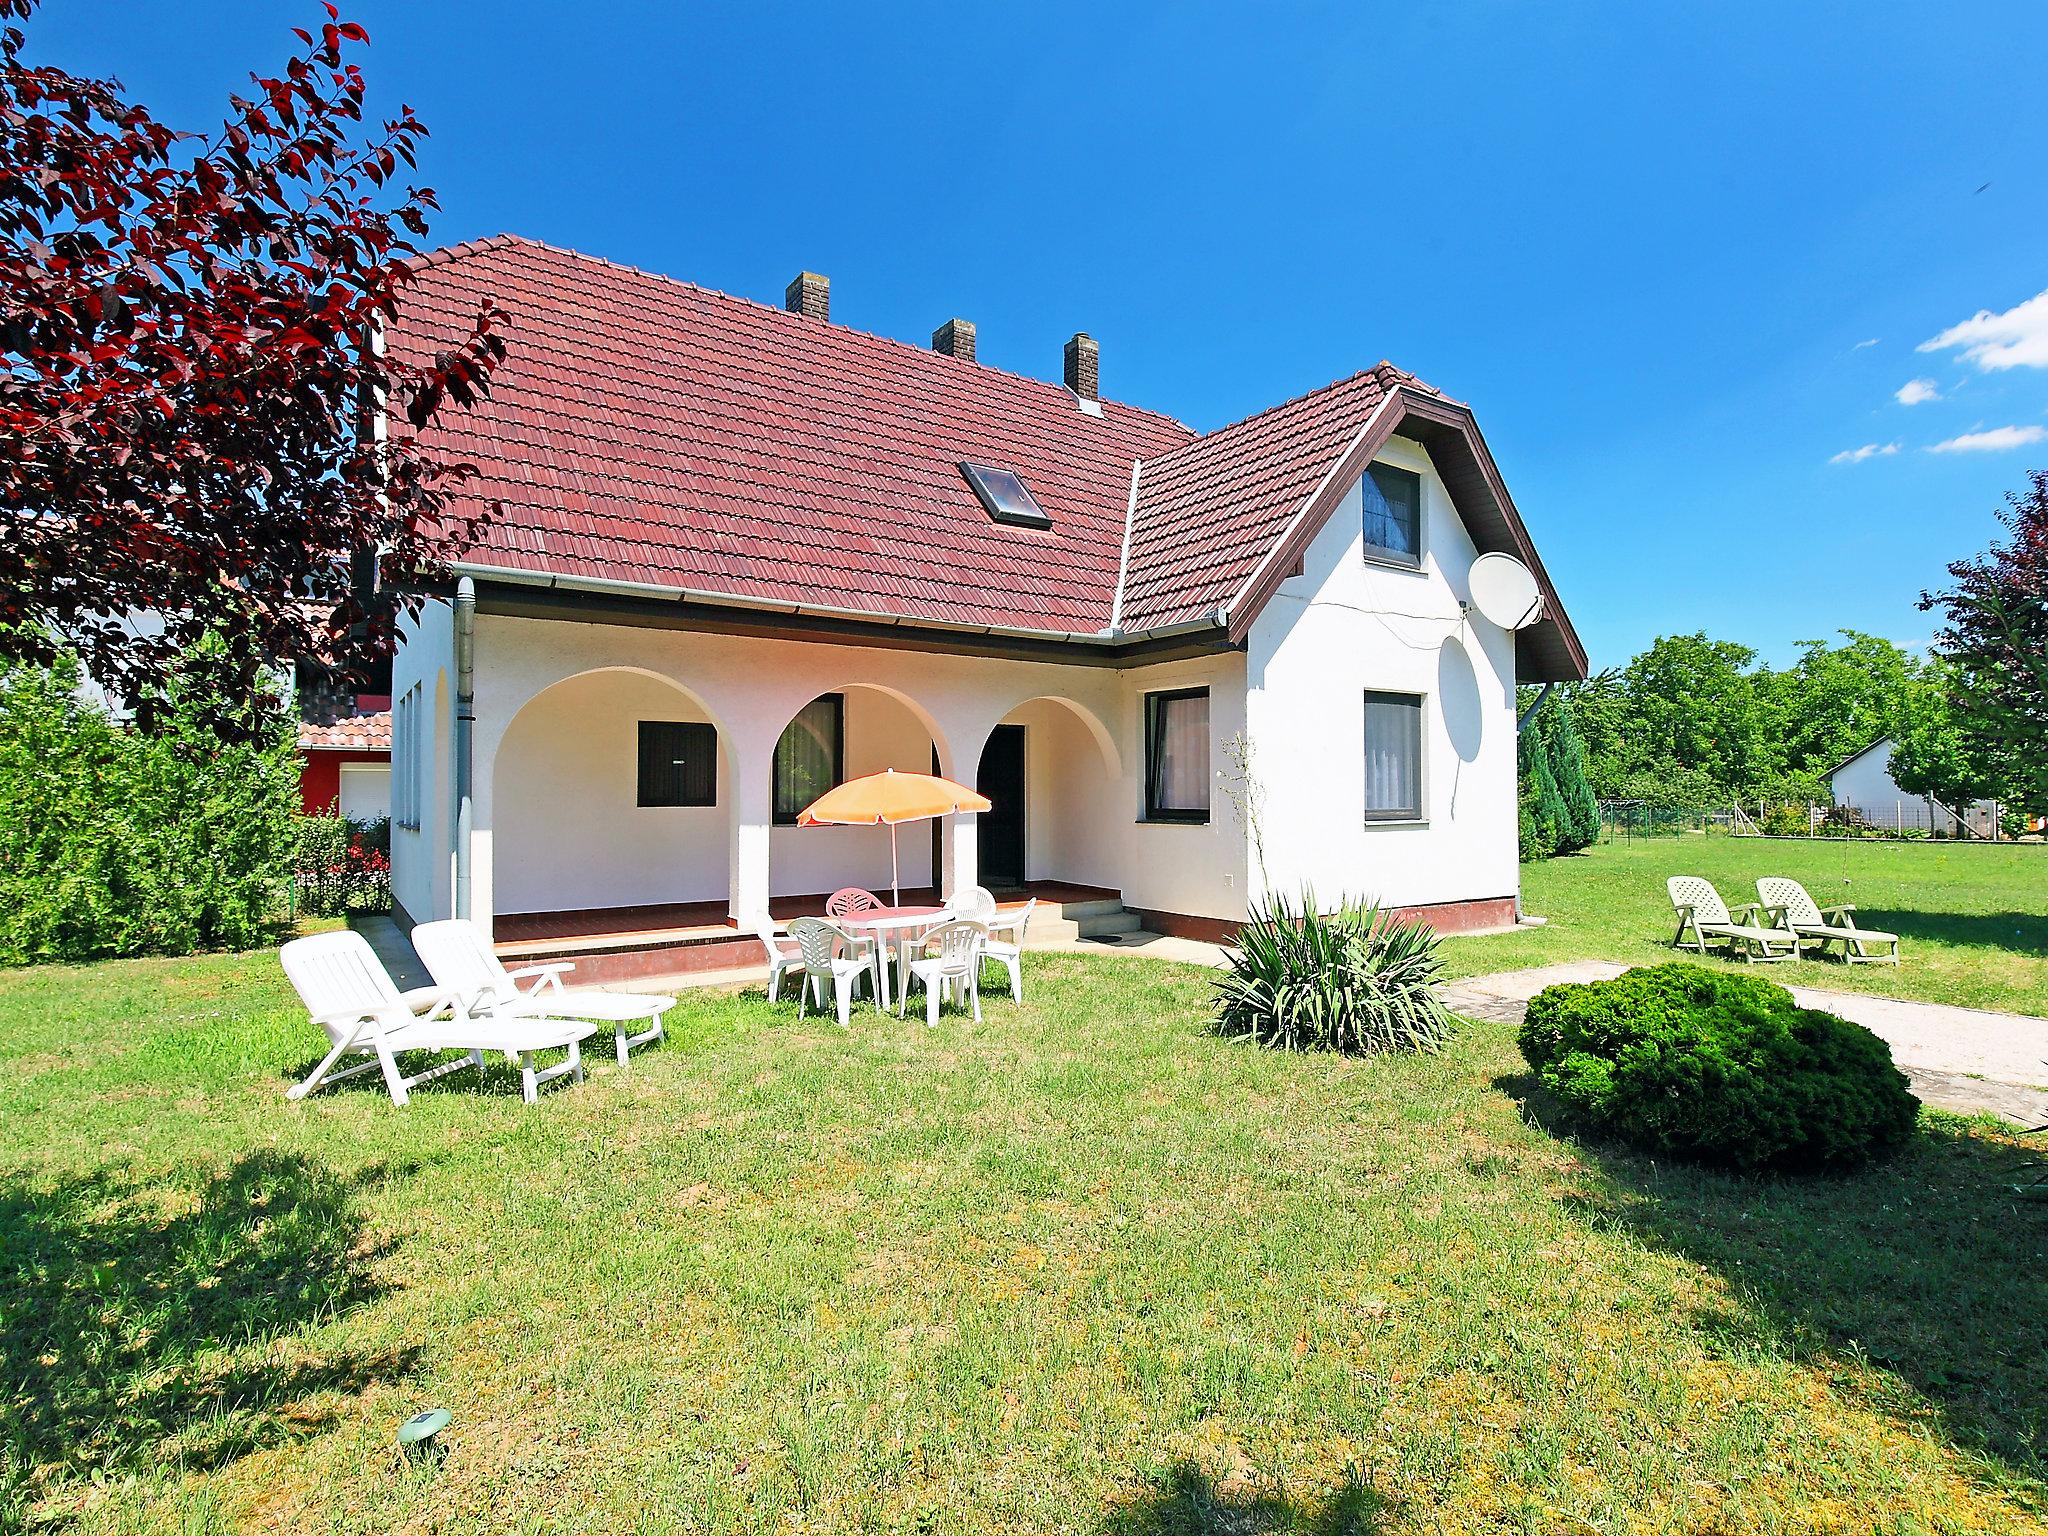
1777, 917
1740, 915
546, 975
425, 1002
1847, 906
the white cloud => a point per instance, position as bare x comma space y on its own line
1870, 343
1993, 440
2016, 339
1917, 392
1867, 451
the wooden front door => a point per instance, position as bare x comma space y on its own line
1002, 827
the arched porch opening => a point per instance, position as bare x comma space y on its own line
1052, 769
846, 733
611, 803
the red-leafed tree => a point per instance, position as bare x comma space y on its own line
190, 394
1994, 640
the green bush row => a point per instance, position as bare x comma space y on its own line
1721, 1068
113, 842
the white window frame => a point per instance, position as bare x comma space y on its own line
406, 759
1379, 554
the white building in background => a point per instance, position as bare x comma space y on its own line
1863, 783
742, 553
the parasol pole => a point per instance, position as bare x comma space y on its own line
895, 890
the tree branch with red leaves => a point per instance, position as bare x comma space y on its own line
188, 380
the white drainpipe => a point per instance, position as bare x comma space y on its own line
465, 725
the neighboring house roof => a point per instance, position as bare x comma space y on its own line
650, 434
353, 733
1860, 752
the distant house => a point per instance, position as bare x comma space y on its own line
1862, 782
743, 553
344, 746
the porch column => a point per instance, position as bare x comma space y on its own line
959, 848
753, 807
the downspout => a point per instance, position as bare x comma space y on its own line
465, 725
1521, 915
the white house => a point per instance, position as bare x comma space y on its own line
742, 552
1862, 782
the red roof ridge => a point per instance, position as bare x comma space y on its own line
444, 255
1387, 374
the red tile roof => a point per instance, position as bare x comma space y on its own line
355, 733
647, 431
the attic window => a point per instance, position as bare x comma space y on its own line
1004, 495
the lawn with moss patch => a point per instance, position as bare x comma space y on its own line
1973, 917
1084, 1267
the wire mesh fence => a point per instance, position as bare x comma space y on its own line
1904, 818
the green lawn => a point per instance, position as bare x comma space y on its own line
1084, 1268
1974, 917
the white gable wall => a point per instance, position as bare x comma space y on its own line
1345, 626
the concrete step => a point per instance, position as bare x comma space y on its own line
1096, 925
1046, 931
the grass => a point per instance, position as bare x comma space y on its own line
1083, 1268
1974, 918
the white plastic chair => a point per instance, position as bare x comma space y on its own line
462, 962
977, 903
818, 942
781, 958
352, 997
849, 902
958, 961
1005, 944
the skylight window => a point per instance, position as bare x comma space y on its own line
1004, 495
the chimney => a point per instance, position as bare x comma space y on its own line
1082, 357
956, 339
809, 293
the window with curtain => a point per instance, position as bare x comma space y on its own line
1393, 757
1393, 514
1177, 755
678, 763
811, 756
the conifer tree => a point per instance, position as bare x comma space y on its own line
1569, 768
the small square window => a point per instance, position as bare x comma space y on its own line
1004, 496
1177, 755
678, 763
1393, 757
1393, 514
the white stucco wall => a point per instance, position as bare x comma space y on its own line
1082, 819
1346, 626
1866, 783
422, 860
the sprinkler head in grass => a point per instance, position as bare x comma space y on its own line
416, 1435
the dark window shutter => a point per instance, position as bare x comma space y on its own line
678, 763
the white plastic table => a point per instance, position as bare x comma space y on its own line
897, 924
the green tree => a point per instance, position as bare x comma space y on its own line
1550, 823
1935, 753
1568, 767
1835, 700
1995, 640
1693, 704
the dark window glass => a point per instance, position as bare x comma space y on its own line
1177, 755
678, 763
811, 756
1393, 513
1004, 496
1393, 757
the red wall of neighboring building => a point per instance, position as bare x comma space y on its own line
320, 777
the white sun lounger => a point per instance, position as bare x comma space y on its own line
1787, 905
1704, 918
462, 962
352, 997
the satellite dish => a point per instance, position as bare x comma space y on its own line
1505, 590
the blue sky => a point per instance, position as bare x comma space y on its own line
1680, 264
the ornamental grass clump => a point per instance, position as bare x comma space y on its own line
1355, 979
1717, 1068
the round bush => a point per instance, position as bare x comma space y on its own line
1720, 1068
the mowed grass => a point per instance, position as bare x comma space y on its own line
1974, 917
1083, 1268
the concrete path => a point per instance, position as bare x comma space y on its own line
1962, 1059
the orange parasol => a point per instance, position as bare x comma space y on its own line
887, 798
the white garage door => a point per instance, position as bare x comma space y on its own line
366, 791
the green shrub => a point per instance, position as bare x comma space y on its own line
1721, 1068
1568, 767
113, 842
1350, 980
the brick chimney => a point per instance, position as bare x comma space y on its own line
956, 339
1082, 357
809, 293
